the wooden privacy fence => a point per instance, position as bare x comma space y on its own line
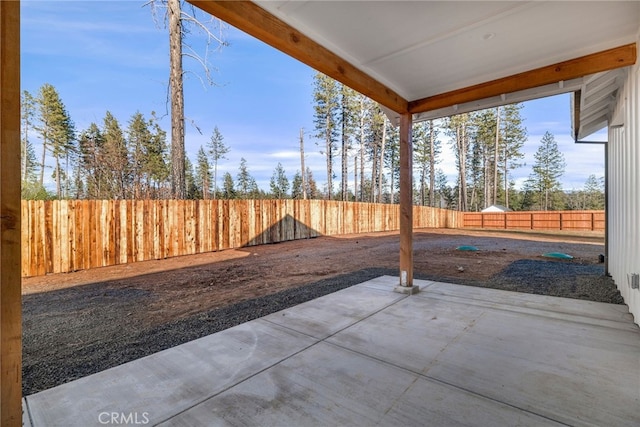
67, 235
536, 220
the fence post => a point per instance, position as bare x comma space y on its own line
532, 220
560, 220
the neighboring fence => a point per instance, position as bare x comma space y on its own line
69, 235
549, 220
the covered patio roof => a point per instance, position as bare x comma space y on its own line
436, 58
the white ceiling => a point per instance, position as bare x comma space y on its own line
424, 48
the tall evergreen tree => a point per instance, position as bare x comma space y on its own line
203, 174
279, 183
594, 193
326, 109
193, 191
228, 186
296, 186
348, 108
392, 162
57, 132
156, 168
459, 128
28, 155
426, 151
93, 163
375, 137
548, 168
217, 151
138, 138
116, 158
514, 135
180, 23
245, 184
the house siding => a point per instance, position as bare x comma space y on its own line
624, 192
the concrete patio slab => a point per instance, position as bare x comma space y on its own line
450, 355
329, 386
325, 316
158, 386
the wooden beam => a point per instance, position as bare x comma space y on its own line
618, 57
257, 22
406, 202
10, 254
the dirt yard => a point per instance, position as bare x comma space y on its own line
79, 323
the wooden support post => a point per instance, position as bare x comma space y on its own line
406, 207
10, 254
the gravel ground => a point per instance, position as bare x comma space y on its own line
558, 278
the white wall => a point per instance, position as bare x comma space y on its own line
624, 191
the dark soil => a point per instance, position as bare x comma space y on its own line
81, 323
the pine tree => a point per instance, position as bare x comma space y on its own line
426, 152
116, 158
92, 162
312, 186
326, 108
28, 155
279, 183
244, 181
392, 162
180, 24
57, 132
297, 186
228, 186
203, 174
217, 151
547, 170
459, 128
138, 138
193, 192
348, 105
594, 192
375, 138
514, 135
156, 168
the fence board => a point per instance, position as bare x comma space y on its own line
61, 236
552, 220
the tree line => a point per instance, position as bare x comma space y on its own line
112, 160
359, 141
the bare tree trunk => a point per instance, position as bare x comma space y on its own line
381, 168
432, 166
495, 158
423, 181
329, 155
374, 171
345, 151
304, 178
362, 120
355, 178
58, 187
178, 187
463, 169
506, 183
44, 154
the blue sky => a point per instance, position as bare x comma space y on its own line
113, 56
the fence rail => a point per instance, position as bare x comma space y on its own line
536, 220
68, 235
